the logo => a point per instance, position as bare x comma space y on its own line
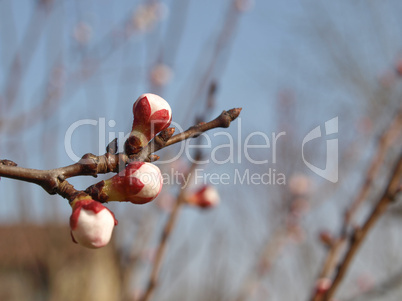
330, 172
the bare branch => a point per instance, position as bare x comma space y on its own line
360, 234
334, 253
54, 181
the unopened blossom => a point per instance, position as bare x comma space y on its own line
206, 197
138, 183
322, 285
146, 16
398, 67
244, 5
300, 185
152, 114
91, 223
326, 238
82, 33
161, 74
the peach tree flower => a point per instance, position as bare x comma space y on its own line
152, 114
138, 183
206, 197
91, 223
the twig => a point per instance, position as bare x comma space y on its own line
360, 234
222, 120
338, 245
52, 180
166, 233
384, 143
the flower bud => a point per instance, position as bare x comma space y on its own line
398, 67
206, 197
91, 223
152, 114
326, 238
300, 185
138, 183
322, 285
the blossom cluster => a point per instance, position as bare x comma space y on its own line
139, 182
91, 222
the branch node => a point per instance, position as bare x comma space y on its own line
8, 163
89, 163
112, 147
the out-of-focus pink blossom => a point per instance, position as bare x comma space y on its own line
82, 33
326, 238
205, 197
322, 285
244, 5
147, 15
300, 185
398, 67
161, 75
91, 223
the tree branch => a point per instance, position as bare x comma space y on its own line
360, 234
384, 143
166, 233
91, 165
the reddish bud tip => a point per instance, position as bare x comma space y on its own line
152, 114
205, 197
322, 285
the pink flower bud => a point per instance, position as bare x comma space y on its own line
161, 74
326, 238
152, 114
206, 197
300, 185
322, 285
138, 183
398, 67
244, 5
91, 223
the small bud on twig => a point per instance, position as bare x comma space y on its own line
91, 223
206, 197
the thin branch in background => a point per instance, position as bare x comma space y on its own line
385, 141
54, 180
336, 247
173, 216
359, 234
166, 233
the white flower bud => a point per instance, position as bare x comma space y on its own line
91, 223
